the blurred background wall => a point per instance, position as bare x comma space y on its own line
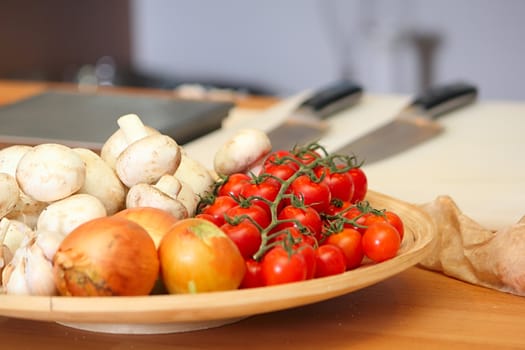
272, 46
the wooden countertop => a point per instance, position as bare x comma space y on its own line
412, 310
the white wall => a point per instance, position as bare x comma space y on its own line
291, 45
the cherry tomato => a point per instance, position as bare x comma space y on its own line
381, 241
245, 235
337, 206
258, 214
315, 194
209, 217
296, 235
360, 184
349, 240
390, 217
278, 171
341, 184
329, 260
308, 253
279, 267
253, 276
265, 190
306, 216
233, 185
219, 207
282, 157
308, 157
359, 218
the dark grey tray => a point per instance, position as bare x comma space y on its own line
87, 120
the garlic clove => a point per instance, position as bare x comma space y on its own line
39, 273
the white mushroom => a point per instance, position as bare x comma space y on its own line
27, 210
9, 193
245, 150
163, 195
10, 157
49, 172
102, 182
146, 156
121, 138
146, 160
193, 173
65, 215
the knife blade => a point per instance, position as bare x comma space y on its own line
307, 122
414, 124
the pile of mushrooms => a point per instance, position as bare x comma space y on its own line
50, 189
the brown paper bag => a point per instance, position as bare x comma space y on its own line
467, 251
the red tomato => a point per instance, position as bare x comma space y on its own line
306, 216
279, 267
360, 184
308, 253
340, 184
278, 171
349, 240
313, 193
282, 157
266, 190
233, 185
258, 214
358, 217
210, 218
245, 235
296, 235
329, 260
308, 157
219, 207
337, 206
381, 241
253, 277
390, 217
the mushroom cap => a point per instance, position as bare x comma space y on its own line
245, 149
145, 195
49, 172
10, 157
67, 214
117, 143
194, 174
9, 194
146, 160
102, 182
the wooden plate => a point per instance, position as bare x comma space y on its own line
177, 313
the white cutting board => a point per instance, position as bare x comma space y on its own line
479, 160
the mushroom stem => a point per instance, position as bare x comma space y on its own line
132, 127
169, 185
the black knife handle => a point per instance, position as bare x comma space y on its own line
442, 99
333, 98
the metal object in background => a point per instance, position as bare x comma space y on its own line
414, 124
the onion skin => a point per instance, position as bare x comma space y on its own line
104, 257
197, 256
155, 221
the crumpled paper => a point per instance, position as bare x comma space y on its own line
469, 252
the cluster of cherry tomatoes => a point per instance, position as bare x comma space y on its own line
302, 216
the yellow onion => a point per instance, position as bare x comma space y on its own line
197, 256
106, 256
154, 220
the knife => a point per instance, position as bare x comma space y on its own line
307, 122
414, 124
